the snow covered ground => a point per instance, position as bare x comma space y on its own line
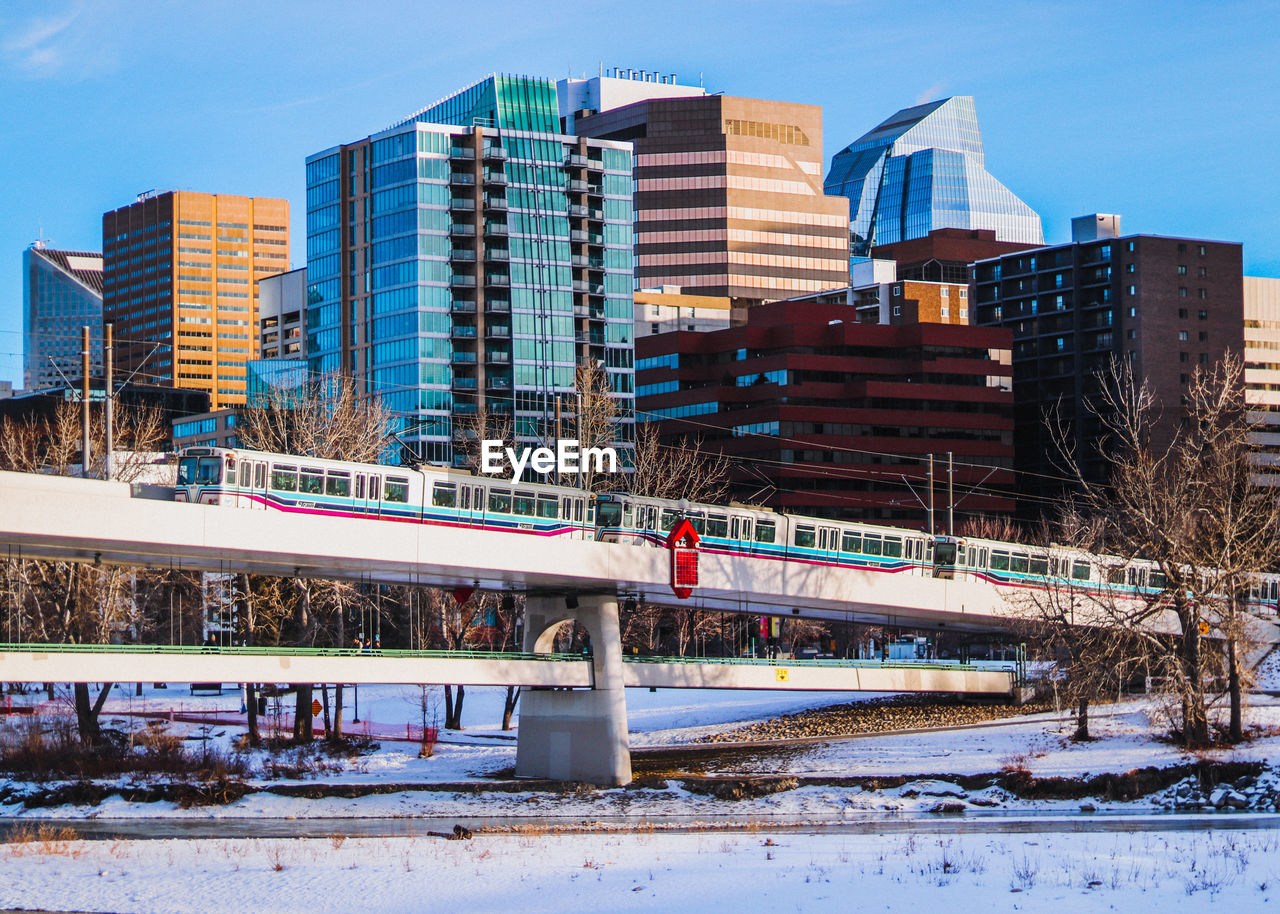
1134, 872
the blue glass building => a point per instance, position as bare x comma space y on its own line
468, 258
923, 169
61, 293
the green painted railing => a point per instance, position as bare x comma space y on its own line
269, 651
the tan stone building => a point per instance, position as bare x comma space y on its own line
668, 308
728, 196
180, 274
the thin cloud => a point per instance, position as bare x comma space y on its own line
58, 46
932, 94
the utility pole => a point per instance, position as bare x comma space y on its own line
951, 495
931, 527
84, 400
108, 388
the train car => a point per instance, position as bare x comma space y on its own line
255, 480
643, 521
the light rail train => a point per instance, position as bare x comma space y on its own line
256, 480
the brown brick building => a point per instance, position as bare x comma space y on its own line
728, 196
180, 272
945, 255
1166, 305
829, 417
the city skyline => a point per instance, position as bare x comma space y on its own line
1078, 116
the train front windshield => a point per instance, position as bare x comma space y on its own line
944, 553
199, 471
608, 513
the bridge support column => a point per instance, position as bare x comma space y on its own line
576, 734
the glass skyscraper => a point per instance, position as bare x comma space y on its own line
923, 169
467, 259
61, 292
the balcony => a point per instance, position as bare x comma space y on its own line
596, 215
464, 281
577, 187
578, 211
464, 384
594, 337
495, 153
498, 255
463, 331
461, 306
498, 204
495, 230
497, 306
497, 331
463, 255
462, 152
495, 178
463, 204
591, 288
498, 382
464, 358
462, 228
595, 190
462, 179
574, 160
499, 357
577, 235
497, 280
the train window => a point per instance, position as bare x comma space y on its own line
1079, 570
311, 481
717, 525
1018, 563
231, 470
1274, 588
766, 531
444, 495
872, 544
628, 514
338, 484
284, 478
1115, 575
1157, 580
397, 490
464, 501
523, 504
375, 488
699, 522
851, 541
577, 510
1137, 577
500, 501
669, 519
893, 547
999, 560
187, 471
547, 505
259, 475
359, 485
1040, 566
805, 535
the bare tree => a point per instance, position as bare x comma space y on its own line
1187, 506
678, 471
328, 418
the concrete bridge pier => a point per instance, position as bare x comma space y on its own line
576, 734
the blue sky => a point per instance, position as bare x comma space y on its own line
1161, 111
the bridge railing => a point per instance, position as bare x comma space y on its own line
271, 651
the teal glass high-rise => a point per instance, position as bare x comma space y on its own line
467, 267
924, 168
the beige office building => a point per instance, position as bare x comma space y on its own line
728, 196
1262, 371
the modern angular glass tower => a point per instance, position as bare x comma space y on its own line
61, 292
923, 169
467, 258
